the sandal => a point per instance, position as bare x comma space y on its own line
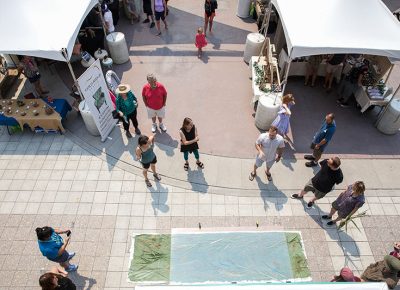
157, 176
186, 166
269, 176
148, 183
200, 164
252, 176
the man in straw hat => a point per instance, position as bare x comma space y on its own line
126, 104
155, 98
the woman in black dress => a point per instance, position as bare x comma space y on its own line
189, 139
209, 13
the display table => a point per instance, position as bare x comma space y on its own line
365, 100
257, 93
42, 120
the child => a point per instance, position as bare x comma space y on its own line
283, 119
200, 41
145, 153
189, 139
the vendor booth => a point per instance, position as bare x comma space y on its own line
314, 27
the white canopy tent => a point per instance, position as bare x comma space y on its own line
338, 26
42, 28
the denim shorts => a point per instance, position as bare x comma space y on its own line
61, 259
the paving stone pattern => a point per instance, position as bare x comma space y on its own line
49, 180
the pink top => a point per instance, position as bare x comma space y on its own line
201, 40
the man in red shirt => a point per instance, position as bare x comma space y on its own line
155, 98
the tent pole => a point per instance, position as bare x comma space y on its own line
65, 54
286, 74
386, 107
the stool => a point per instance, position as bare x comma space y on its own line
100, 54
107, 63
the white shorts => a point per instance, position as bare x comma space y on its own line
156, 113
259, 162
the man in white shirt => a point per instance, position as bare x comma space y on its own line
108, 18
270, 147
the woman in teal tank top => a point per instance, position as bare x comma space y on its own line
146, 155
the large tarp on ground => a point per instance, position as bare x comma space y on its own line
218, 257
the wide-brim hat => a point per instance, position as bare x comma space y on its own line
347, 274
123, 89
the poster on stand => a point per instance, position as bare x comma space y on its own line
97, 98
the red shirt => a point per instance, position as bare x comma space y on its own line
154, 97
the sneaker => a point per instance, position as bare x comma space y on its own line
159, 33
296, 196
309, 157
72, 268
310, 204
146, 21
331, 223
326, 217
128, 134
71, 255
152, 25
154, 127
311, 164
163, 128
137, 131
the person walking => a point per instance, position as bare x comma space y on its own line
282, 121
189, 139
160, 9
209, 13
29, 68
270, 148
347, 203
53, 247
155, 99
321, 139
126, 106
146, 155
313, 63
56, 278
200, 42
149, 13
324, 181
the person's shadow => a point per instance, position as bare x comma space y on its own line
166, 143
81, 281
271, 195
343, 235
159, 195
197, 180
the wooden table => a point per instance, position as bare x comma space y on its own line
42, 120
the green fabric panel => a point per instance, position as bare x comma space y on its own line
151, 258
297, 257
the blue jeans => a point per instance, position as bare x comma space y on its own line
195, 152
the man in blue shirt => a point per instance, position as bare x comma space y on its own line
321, 140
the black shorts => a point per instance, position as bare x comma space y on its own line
35, 78
147, 7
160, 15
147, 165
